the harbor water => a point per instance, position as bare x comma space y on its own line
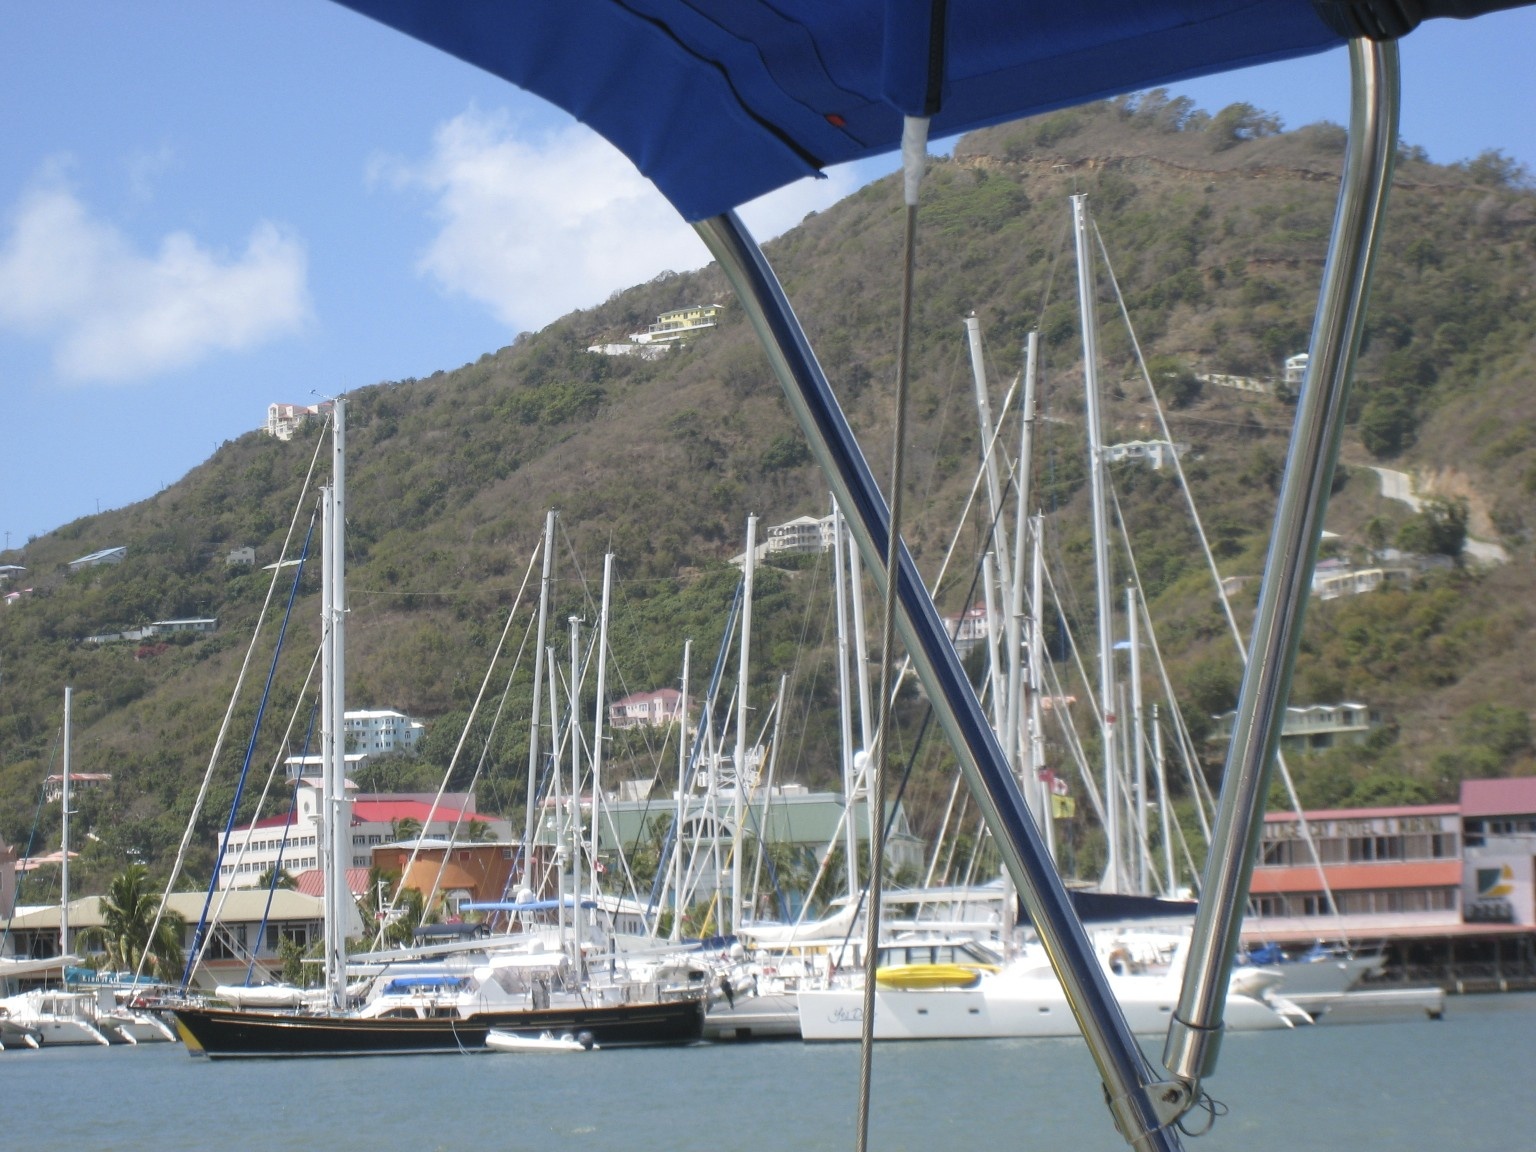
1413, 1085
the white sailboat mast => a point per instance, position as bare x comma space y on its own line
334, 771
1018, 683
556, 825
1164, 806
738, 799
1037, 680
990, 578
64, 831
1138, 744
600, 714
860, 666
1113, 868
573, 726
988, 440
682, 801
530, 826
845, 708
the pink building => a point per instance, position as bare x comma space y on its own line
646, 709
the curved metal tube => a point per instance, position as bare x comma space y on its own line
1142, 1106
1194, 1035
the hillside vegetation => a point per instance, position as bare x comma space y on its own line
1216, 226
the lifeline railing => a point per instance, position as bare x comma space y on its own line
1145, 1105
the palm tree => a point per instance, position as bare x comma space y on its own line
128, 916
284, 879
475, 832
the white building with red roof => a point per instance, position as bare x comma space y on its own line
292, 840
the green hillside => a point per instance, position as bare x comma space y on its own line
1217, 227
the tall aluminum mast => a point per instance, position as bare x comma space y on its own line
1109, 734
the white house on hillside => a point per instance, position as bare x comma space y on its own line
95, 559
646, 709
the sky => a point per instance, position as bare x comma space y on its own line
207, 208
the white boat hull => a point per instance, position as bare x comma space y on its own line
1000, 1007
498, 1041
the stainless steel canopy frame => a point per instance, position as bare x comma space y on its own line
1142, 1105
1145, 1106
1194, 1035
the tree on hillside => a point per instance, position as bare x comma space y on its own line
1174, 382
1438, 529
1238, 122
128, 916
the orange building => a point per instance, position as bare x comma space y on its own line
460, 873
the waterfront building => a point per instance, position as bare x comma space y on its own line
252, 850
242, 927
1446, 890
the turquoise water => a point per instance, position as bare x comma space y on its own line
1462, 1083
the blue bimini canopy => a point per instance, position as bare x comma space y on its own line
720, 101
529, 906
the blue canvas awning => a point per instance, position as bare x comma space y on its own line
513, 906
720, 101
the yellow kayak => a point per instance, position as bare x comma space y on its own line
923, 976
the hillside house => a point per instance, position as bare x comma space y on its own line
967, 629
1296, 370
382, 731
97, 559
283, 420
646, 709
1239, 383
245, 556
1153, 453
1315, 728
193, 626
678, 324
1333, 578
53, 785
802, 534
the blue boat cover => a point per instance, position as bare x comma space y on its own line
720, 101
512, 906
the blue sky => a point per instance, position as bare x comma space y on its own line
205, 208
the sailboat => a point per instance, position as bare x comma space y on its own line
778, 93
411, 1023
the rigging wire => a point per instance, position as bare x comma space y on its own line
229, 711
245, 766
293, 804
458, 748
42, 798
1221, 591
914, 155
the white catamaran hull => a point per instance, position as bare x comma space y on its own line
1002, 1006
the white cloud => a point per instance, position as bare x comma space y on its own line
535, 225
146, 168
113, 314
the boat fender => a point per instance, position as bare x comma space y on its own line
585, 1040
